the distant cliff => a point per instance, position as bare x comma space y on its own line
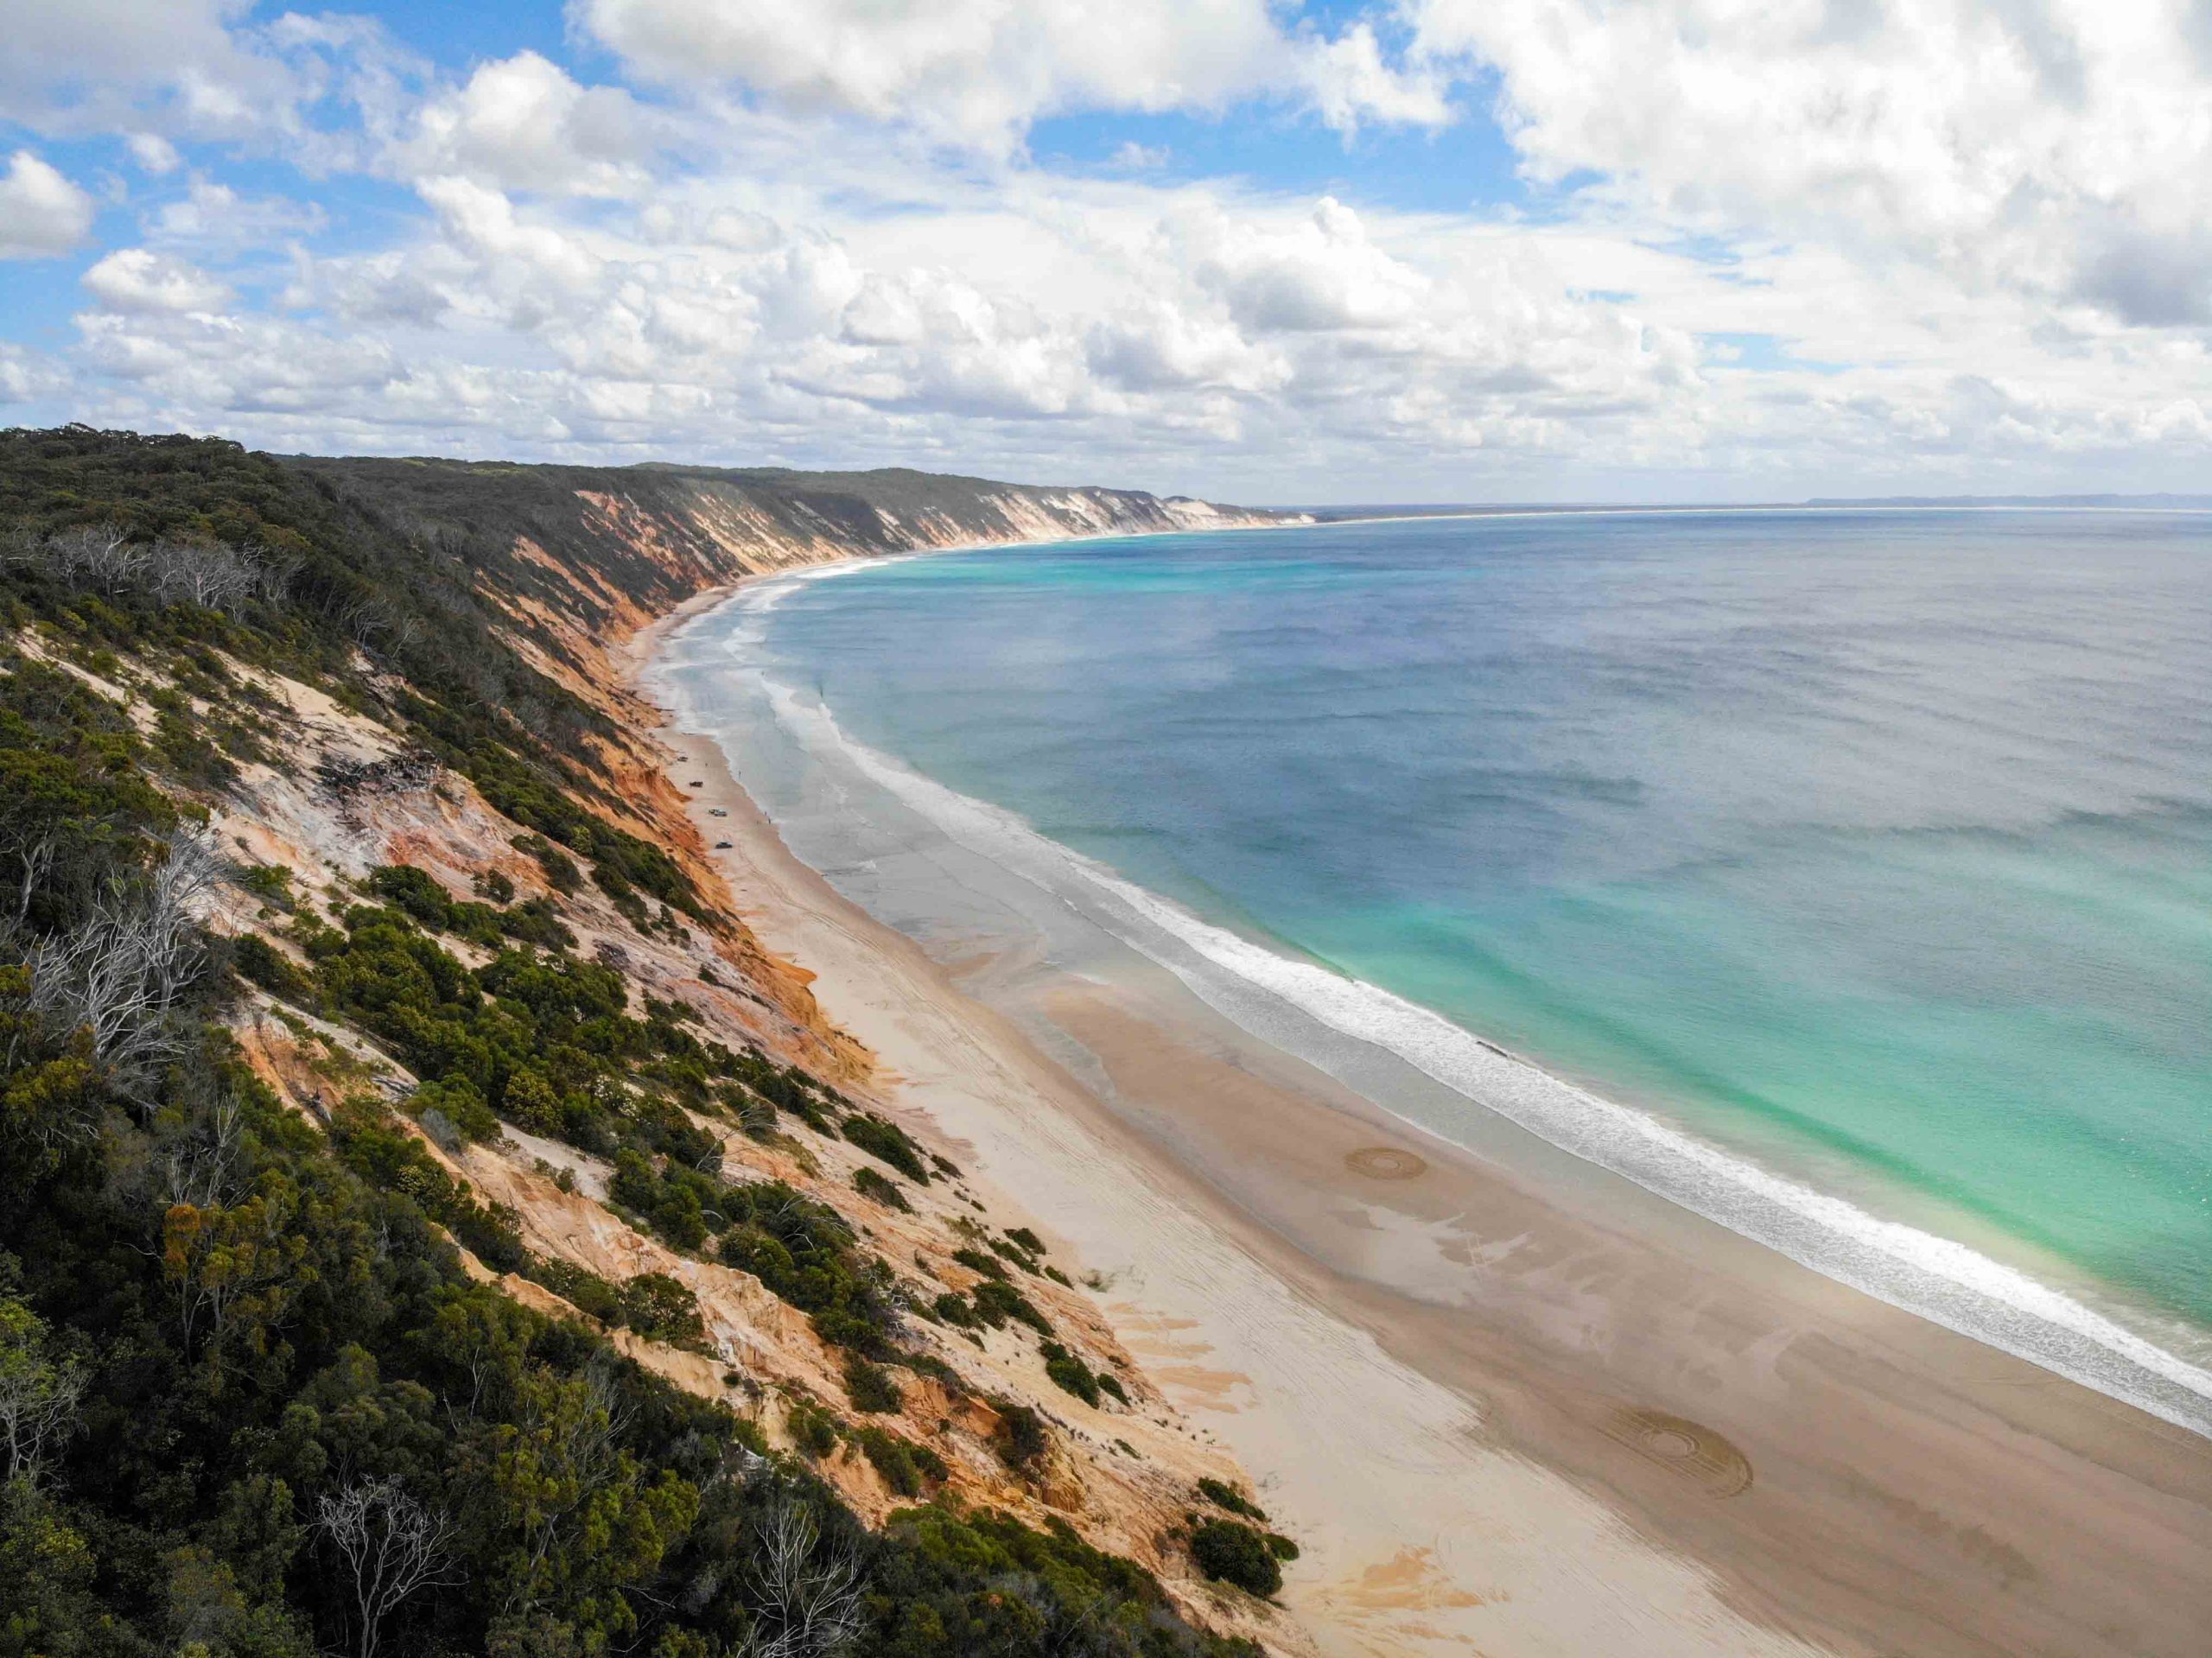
657, 534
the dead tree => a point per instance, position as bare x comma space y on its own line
392, 1546
809, 1596
102, 559
120, 972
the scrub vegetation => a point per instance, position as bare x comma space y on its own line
251, 1401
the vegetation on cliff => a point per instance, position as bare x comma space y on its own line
253, 1400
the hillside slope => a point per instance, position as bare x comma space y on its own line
407, 1147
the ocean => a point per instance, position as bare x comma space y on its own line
1843, 876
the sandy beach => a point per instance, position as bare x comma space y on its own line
1509, 1404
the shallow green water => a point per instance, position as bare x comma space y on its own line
1877, 848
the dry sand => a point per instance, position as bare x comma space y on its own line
1510, 1404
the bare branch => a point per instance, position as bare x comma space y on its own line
391, 1546
39, 1394
808, 1596
120, 973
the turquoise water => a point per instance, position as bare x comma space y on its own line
1874, 848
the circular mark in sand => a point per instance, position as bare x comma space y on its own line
1386, 1163
1688, 1448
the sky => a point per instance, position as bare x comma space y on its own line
1414, 250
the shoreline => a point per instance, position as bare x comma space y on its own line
1791, 1457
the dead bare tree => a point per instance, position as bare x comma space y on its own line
37, 860
103, 559
808, 1596
100, 557
121, 971
200, 572
392, 1545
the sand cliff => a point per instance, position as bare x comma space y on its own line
1122, 1473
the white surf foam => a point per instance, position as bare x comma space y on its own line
1938, 1278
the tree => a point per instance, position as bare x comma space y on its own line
390, 1544
120, 973
39, 1394
1235, 1553
808, 1596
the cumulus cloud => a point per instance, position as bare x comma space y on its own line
139, 279
979, 72
41, 212
2059, 147
1974, 235
523, 123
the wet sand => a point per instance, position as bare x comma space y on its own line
1508, 1403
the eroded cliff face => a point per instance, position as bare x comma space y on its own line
580, 567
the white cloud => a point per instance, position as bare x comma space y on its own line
154, 153
25, 376
2062, 147
979, 72
139, 279
213, 216
1974, 238
1351, 84
523, 123
1319, 275
87, 65
41, 212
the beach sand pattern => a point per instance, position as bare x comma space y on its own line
1684, 1447
1386, 1163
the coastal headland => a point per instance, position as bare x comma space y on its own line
1139, 1270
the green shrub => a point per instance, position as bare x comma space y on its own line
870, 1387
1223, 1496
904, 1464
953, 1307
1070, 1374
455, 1098
1026, 1239
976, 1261
1019, 1437
559, 869
887, 1142
1230, 1551
260, 962
881, 1189
804, 1252
1000, 1246
663, 1309
812, 1429
414, 892
579, 1286
270, 883
671, 1207
996, 1302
